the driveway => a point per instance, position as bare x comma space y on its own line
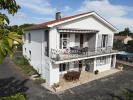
12, 81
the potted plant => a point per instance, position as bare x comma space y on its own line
56, 86
96, 72
120, 67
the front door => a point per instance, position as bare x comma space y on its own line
81, 40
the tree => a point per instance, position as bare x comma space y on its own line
7, 37
125, 32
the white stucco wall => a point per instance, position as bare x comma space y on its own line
103, 67
35, 46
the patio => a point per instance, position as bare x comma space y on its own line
84, 78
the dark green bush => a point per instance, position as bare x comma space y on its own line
39, 80
14, 97
72, 75
21, 61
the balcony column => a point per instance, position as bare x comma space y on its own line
96, 42
114, 61
95, 65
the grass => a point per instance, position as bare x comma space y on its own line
23, 64
14, 97
39, 80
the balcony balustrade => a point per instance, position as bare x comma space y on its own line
77, 52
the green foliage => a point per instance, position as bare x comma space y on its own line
130, 43
21, 61
25, 25
14, 97
128, 95
17, 29
118, 45
125, 32
23, 64
7, 37
39, 80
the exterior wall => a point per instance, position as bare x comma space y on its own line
83, 23
102, 67
35, 46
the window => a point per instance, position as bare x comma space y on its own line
29, 37
29, 54
63, 67
104, 40
102, 60
63, 41
46, 40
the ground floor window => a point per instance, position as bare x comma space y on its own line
64, 67
102, 60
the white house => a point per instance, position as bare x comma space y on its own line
83, 41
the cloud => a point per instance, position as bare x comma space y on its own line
21, 18
37, 6
32, 11
66, 9
116, 14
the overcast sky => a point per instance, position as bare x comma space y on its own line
117, 12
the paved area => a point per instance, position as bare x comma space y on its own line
124, 62
85, 77
12, 80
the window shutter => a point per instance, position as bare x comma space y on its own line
99, 42
110, 40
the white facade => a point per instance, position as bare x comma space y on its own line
41, 44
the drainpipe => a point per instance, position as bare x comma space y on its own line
42, 53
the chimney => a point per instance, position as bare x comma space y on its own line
58, 15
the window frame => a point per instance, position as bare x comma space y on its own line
104, 40
63, 67
64, 37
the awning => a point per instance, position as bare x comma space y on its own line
74, 30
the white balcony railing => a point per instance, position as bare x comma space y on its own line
72, 53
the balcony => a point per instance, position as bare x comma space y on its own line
77, 52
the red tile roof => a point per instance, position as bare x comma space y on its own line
44, 25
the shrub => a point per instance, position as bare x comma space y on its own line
71, 76
56, 85
39, 80
21, 61
14, 97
